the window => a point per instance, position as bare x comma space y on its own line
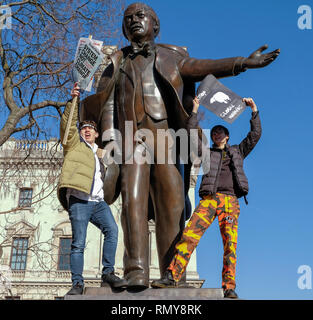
64, 253
25, 199
19, 253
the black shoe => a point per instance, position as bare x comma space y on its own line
166, 281
230, 293
113, 281
76, 289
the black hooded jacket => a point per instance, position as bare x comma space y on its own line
237, 154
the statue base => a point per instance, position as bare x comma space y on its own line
106, 293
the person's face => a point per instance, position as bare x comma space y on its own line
89, 134
138, 24
219, 137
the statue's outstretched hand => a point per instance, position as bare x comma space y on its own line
259, 60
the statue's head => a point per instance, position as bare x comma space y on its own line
140, 23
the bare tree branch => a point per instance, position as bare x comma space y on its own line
37, 55
18, 3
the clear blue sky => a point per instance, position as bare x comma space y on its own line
275, 229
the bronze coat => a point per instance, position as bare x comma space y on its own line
178, 72
174, 66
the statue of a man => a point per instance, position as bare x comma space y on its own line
152, 86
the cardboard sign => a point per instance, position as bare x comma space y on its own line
219, 99
88, 58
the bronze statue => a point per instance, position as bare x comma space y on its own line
153, 85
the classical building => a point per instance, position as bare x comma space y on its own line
35, 231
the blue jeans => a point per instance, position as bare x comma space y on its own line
99, 214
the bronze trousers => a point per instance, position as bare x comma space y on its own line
164, 183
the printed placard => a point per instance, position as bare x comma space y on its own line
219, 99
88, 58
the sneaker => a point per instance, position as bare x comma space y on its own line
230, 293
113, 281
76, 289
166, 281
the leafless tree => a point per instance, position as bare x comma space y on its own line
36, 56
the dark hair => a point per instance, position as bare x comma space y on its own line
219, 127
88, 123
149, 10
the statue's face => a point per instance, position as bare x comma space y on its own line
138, 24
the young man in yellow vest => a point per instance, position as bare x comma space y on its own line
80, 191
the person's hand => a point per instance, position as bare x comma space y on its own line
196, 104
259, 60
75, 91
249, 102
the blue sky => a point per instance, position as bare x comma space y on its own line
275, 228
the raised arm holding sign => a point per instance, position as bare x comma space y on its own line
87, 60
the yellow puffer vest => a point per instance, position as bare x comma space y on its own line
79, 162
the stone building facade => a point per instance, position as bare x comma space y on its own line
35, 231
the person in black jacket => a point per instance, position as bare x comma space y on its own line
219, 191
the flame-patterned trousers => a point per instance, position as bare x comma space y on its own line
226, 209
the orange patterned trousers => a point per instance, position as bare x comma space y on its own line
226, 209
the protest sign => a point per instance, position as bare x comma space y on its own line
88, 58
219, 99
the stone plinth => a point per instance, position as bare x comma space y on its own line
106, 293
